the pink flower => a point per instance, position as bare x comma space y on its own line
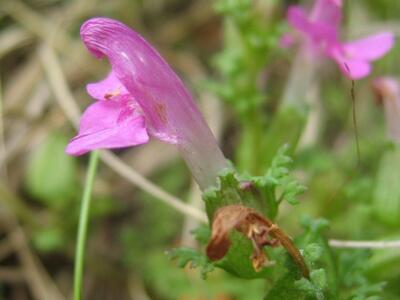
142, 96
388, 91
320, 28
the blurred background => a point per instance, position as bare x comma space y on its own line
44, 69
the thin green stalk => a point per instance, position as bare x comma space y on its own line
83, 225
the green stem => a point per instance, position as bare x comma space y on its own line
83, 225
250, 151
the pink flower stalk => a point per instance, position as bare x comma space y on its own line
320, 29
142, 96
388, 92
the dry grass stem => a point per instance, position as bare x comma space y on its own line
13, 38
8, 274
58, 83
48, 30
137, 179
21, 83
364, 244
38, 279
3, 167
6, 248
189, 224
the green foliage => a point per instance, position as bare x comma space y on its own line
356, 285
48, 239
383, 263
313, 252
279, 174
202, 234
286, 288
161, 275
158, 221
166, 280
291, 286
322, 283
226, 192
384, 8
361, 202
285, 128
248, 40
264, 194
331, 276
237, 261
51, 175
386, 201
51, 180
278, 184
238, 9
229, 192
191, 257
315, 286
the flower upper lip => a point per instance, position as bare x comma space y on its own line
142, 96
145, 75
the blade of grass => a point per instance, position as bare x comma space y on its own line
3, 168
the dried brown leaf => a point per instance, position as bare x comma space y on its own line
257, 229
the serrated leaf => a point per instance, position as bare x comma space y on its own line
191, 257
291, 199
313, 252
305, 285
202, 234
310, 289
314, 226
280, 177
318, 277
287, 288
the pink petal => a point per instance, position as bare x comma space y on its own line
286, 41
168, 107
354, 69
327, 12
370, 48
107, 89
108, 124
388, 90
320, 32
166, 104
387, 87
297, 17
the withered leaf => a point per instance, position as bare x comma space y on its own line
226, 219
257, 229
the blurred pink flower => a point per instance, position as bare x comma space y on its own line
142, 96
387, 90
320, 29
